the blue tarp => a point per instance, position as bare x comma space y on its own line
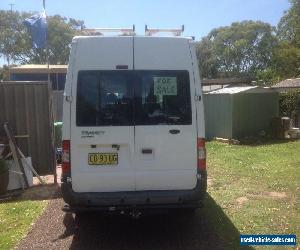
37, 26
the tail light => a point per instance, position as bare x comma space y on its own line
201, 154
66, 161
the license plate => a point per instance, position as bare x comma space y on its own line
103, 159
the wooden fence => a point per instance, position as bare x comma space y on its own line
27, 107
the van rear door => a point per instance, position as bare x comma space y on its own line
102, 131
165, 129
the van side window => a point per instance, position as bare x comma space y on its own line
104, 98
163, 98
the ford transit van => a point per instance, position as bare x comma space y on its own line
133, 124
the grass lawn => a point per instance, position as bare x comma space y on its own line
257, 187
16, 219
253, 189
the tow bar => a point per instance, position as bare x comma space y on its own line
135, 214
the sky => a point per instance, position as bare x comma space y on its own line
198, 16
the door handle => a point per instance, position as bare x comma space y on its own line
147, 151
174, 131
116, 146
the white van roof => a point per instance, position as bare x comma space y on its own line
149, 52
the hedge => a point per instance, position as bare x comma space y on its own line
289, 103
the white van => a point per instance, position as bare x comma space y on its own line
133, 124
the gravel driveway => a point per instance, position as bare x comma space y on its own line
57, 230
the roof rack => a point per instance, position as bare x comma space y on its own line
175, 32
100, 31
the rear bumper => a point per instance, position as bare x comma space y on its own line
135, 199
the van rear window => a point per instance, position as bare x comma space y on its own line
104, 99
139, 97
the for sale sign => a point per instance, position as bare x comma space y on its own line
165, 85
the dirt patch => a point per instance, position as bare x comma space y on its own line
49, 179
241, 200
265, 195
46, 178
40, 192
276, 195
270, 195
43, 192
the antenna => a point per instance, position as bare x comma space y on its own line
11, 6
152, 31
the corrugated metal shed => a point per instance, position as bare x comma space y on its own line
26, 106
237, 112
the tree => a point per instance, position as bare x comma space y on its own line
288, 28
16, 43
13, 36
4, 73
286, 59
207, 58
241, 49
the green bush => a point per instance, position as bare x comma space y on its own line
289, 103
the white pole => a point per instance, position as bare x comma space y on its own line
47, 47
50, 102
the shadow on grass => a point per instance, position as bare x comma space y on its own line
210, 228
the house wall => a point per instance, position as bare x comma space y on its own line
58, 80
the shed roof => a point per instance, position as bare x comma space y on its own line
288, 83
236, 90
232, 90
225, 81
